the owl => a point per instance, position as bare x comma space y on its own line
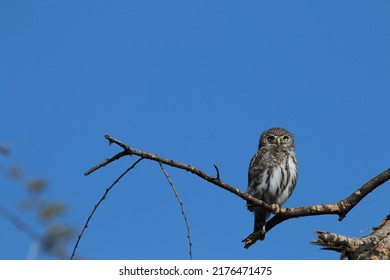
273, 173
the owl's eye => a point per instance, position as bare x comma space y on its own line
286, 138
271, 138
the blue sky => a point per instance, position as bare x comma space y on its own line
195, 81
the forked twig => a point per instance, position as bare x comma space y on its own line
181, 207
215, 181
340, 208
99, 202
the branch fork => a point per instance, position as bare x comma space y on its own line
340, 208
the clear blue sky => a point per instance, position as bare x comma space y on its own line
195, 81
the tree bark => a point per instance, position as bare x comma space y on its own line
375, 246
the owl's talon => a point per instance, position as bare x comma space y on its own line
275, 208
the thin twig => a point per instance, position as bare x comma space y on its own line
216, 169
99, 202
105, 162
181, 207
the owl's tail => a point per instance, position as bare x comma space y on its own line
261, 216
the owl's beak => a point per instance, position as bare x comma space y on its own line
278, 140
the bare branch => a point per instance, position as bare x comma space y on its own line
340, 208
99, 202
105, 162
189, 168
181, 207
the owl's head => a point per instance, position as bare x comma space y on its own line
276, 137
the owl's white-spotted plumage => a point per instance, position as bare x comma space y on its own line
273, 172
